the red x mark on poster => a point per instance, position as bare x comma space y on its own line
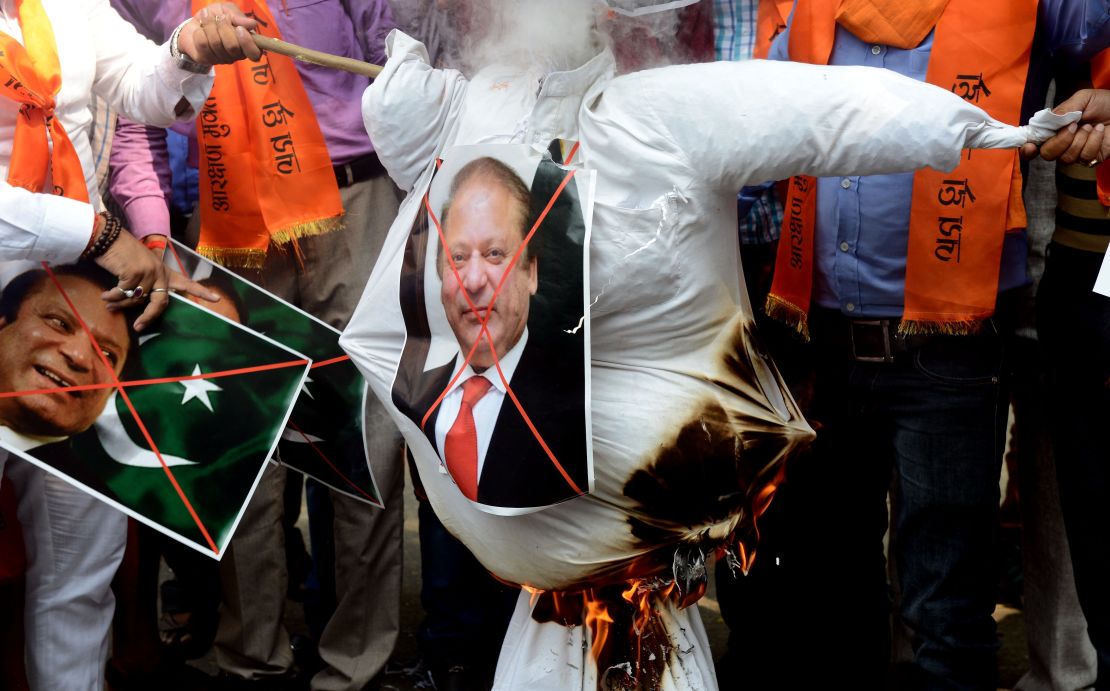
484, 315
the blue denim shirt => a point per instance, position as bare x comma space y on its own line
862, 228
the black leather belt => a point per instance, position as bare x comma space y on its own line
871, 340
878, 340
358, 170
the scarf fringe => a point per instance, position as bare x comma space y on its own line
307, 229
962, 327
238, 257
787, 313
255, 258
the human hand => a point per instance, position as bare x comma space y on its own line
135, 265
219, 34
1085, 142
1093, 103
181, 284
142, 277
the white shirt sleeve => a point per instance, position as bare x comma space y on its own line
138, 77
407, 108
42, 227
738, 123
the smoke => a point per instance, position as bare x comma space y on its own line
470, 34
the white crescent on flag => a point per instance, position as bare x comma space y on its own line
118, 444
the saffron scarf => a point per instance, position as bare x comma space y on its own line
1100, 78
770, 21
31, 75
265, 174
959, 219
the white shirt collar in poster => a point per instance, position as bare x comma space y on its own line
14, 441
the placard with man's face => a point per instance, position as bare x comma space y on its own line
172, 426
495, 369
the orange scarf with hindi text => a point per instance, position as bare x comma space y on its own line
265, 174
1100, 79
770, 20
958, 220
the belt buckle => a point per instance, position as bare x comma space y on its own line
884, 324
348, 175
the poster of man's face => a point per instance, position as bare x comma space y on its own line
495, 368
43, 346
172, 426
484, 222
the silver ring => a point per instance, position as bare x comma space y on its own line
160, 290
1092, 164
126, 293
138, 292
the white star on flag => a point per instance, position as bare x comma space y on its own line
198, 389
304, 387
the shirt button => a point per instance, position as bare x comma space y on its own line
846, 183
875, 50
851, 307
843, 247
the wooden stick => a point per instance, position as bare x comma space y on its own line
316, 57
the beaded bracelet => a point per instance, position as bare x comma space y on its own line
108, 235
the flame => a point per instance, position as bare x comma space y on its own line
744, 558
620, 620
598, 621
533, 594
760, 504
640, 593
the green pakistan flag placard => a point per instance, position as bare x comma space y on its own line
214, 398
324, 438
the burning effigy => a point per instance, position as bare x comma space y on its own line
558, 322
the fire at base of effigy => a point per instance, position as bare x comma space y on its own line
639, 636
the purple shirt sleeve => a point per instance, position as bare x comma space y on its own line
155, 19
372, 22
140, 177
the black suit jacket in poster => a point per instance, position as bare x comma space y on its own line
517, 473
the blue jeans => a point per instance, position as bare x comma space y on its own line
1073, 325
928, 428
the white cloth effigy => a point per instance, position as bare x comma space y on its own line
683, 400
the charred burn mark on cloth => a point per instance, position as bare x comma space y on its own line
693, 481
718, 470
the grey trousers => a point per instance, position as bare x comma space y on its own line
251, 641
1061, 657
